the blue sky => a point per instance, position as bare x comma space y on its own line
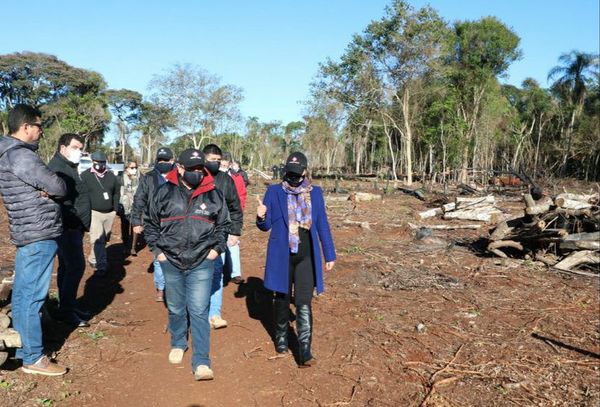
269, 48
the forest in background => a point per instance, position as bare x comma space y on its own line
412, 97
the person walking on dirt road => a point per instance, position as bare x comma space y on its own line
294, 212
105, 191
76, 216
225, 184
186, 229
30, 191
149, 183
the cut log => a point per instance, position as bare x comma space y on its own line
11, 338
363, 197
465, 200
449, 207
577, 258
571, 204
548, 260
495, 246
430, 213
536, 207
445, 227
501, 230
590, 198
364, 225
484, 216
578, 241
4, 322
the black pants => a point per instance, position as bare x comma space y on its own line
301, 272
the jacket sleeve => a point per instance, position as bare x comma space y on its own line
222, 228
29, 167
265, 224
140, 201
323, 228
233, 206
83, 205
152, 224
241, 190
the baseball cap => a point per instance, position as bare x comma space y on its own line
296, 163
164, 153
98, 156
191, 158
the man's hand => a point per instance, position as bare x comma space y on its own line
212, 254
261, 209
329, 265
233, 240
138, 229
161, 257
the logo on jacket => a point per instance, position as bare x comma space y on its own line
202, 210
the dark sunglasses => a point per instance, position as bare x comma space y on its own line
38, 125
132, 168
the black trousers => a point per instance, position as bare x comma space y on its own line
301, 272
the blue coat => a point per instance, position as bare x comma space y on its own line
278, 252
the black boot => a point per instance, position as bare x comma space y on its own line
304, 329
281, 313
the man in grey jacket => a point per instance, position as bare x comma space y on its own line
29, 190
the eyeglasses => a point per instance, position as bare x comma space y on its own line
132, 168
38, 125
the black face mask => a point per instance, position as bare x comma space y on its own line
293, 179
213, 166
193, 178
100, 167
163, 167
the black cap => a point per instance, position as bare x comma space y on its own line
98, 156
191, 158
164, 153
296, 163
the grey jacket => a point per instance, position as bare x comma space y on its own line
23, 176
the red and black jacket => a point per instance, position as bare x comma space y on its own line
186, 225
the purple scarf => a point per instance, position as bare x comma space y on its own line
299, 211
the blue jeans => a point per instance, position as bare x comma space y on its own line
71, 265
188, 295
234, 258
216, 291
33, 270
159, 278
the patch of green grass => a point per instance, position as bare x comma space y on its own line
5, 385
353, 250
45, 402
95, 335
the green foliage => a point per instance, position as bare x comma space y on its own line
5, 384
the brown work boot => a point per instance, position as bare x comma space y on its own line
44, 367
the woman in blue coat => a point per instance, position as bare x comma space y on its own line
294, 212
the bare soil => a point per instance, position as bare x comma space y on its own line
403, 322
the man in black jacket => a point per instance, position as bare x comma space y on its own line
148, 185
186, 228
76, 215
29, 191
225, 184
105, 190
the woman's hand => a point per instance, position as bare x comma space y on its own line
261, 209
212, 254
161, 257
329, 265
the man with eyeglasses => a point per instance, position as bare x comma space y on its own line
30, 191
186, 228
147, 187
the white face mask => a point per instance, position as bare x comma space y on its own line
74, 156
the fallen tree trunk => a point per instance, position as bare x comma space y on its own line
445, 227
577, 258
430, 213
487, 215
535, 208
571, 204
495, 246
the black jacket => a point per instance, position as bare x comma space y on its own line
225, 184
23, 176
149, 183
75, 207
98, 186
185, 225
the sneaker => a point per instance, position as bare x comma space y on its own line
237, 280
204, 372
176, 356
160, 296
216, 322
44, 367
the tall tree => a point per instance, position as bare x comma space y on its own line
571, 80
201, 105
125, 105
154, 121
